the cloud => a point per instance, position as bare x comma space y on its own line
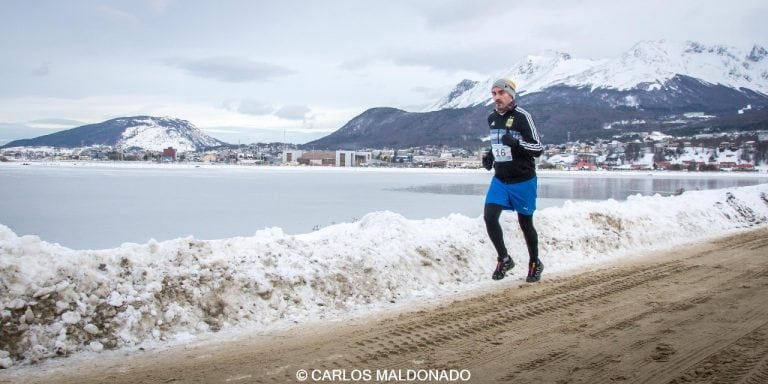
246, 134
44, 69
254, 107
54, 123
26, 130
13, 131
117, 15
457, 58
438, 58
160, 6
357, 63
230, 69
293, 112
458, 12
248, 107
228, 131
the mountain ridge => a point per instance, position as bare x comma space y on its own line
654, 85
648, 65
146, 132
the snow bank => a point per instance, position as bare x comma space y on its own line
58, 301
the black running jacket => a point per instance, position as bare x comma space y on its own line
513, 165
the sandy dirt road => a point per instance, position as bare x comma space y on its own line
694, 314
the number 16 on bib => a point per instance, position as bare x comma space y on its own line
501, 152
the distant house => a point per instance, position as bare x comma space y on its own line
169, 155
585, 165
662, 165
690, 164
561, 161
744, 167
318, 158
726, 165
615, 159
292, 156
352, 158
210, 157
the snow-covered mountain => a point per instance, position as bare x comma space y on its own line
147, 132
656, 85
648, 66
156, 133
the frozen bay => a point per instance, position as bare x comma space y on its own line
102, 205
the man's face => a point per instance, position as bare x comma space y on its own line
501, 98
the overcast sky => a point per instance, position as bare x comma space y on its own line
250, 70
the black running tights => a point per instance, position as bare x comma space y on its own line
491, 215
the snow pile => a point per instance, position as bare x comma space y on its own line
58, 301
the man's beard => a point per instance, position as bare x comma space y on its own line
500, 107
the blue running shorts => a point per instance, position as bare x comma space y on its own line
520, 197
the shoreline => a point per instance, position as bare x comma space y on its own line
761, 172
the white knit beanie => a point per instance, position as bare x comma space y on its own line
507, 85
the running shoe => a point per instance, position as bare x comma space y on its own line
502, 266
534, 271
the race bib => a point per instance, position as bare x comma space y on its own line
501, 152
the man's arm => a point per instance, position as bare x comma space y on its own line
530, 136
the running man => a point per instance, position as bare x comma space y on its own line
514, 145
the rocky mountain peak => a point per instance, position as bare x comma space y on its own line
757, 54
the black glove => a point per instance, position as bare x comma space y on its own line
488, 160
510, 141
